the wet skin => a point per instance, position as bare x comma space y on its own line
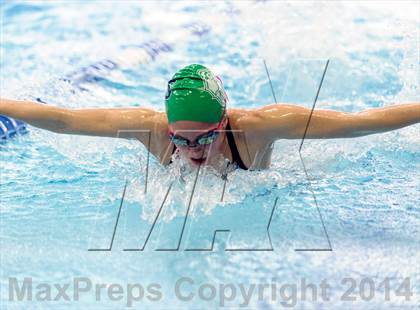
256, 129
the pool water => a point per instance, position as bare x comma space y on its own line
61, 195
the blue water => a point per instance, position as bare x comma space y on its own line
61, 194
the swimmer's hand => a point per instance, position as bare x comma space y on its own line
281, 121
118, 122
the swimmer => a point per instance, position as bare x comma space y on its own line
198, 125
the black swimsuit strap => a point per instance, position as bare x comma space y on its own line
173, 151
236, 158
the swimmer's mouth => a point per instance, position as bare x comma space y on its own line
198, 160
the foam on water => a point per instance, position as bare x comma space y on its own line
61, 193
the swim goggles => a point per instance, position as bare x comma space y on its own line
205, 139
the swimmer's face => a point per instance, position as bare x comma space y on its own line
196, 153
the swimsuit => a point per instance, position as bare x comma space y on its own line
236, 158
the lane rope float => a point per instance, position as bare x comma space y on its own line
133, 55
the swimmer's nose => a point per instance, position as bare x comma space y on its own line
195, 149
193, 145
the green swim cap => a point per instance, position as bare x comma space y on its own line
195, 94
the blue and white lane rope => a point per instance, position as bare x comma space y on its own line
143, 53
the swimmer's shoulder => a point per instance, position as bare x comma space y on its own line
158, 142
252, 144
162, 147
247, 120
255, 120
236, 115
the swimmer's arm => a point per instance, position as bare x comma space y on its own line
289, 121
118, 122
